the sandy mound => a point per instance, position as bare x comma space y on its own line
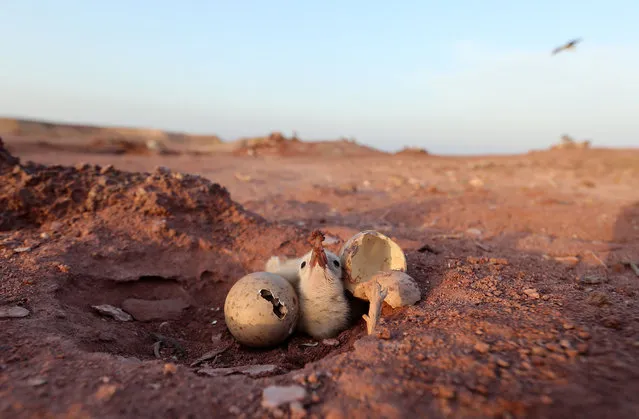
276, 144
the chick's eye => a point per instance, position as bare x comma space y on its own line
303, 265
336, 263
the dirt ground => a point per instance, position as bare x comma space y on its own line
528, 309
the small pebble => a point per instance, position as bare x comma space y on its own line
482, 347
532, 293
444, 392
553, 347
568, 326
13, 312
169, 368
539, 351
583, 334
565, 343
275, 396
503, 363
330, 342
36, 381
383, 333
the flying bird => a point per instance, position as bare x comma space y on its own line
566, 46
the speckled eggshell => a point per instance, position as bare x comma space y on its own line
367, 253
261, 310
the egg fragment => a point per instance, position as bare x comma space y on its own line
261, 309
402, 290
367, 253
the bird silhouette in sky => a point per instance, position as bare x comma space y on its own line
568, 45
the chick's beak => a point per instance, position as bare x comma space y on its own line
319, 258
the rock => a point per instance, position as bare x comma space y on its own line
531, 293
330, 342
13, 312
482, 347
253, 371
36, 381
598, 299
444, 392
476, 183
275, 396
148, 310
503, 363
105, 392
169, 368
592, 279
383, 333
115, 312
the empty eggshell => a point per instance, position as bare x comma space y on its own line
367, 253
402, 288
261, 309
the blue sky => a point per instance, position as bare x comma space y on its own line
453, 77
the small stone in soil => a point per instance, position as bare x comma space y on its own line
115, 312
275, 396
482, 347
531, 293
383, 333
13, 312
169, 368
444, 392
330, 342
36, 381
503, 363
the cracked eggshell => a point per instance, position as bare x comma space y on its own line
367, 253
261, 309
402, 288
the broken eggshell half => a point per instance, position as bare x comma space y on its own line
367, 253
261, 309
402, 290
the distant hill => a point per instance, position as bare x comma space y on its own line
51, 131
97, 139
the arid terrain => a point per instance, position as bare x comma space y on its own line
527, 266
